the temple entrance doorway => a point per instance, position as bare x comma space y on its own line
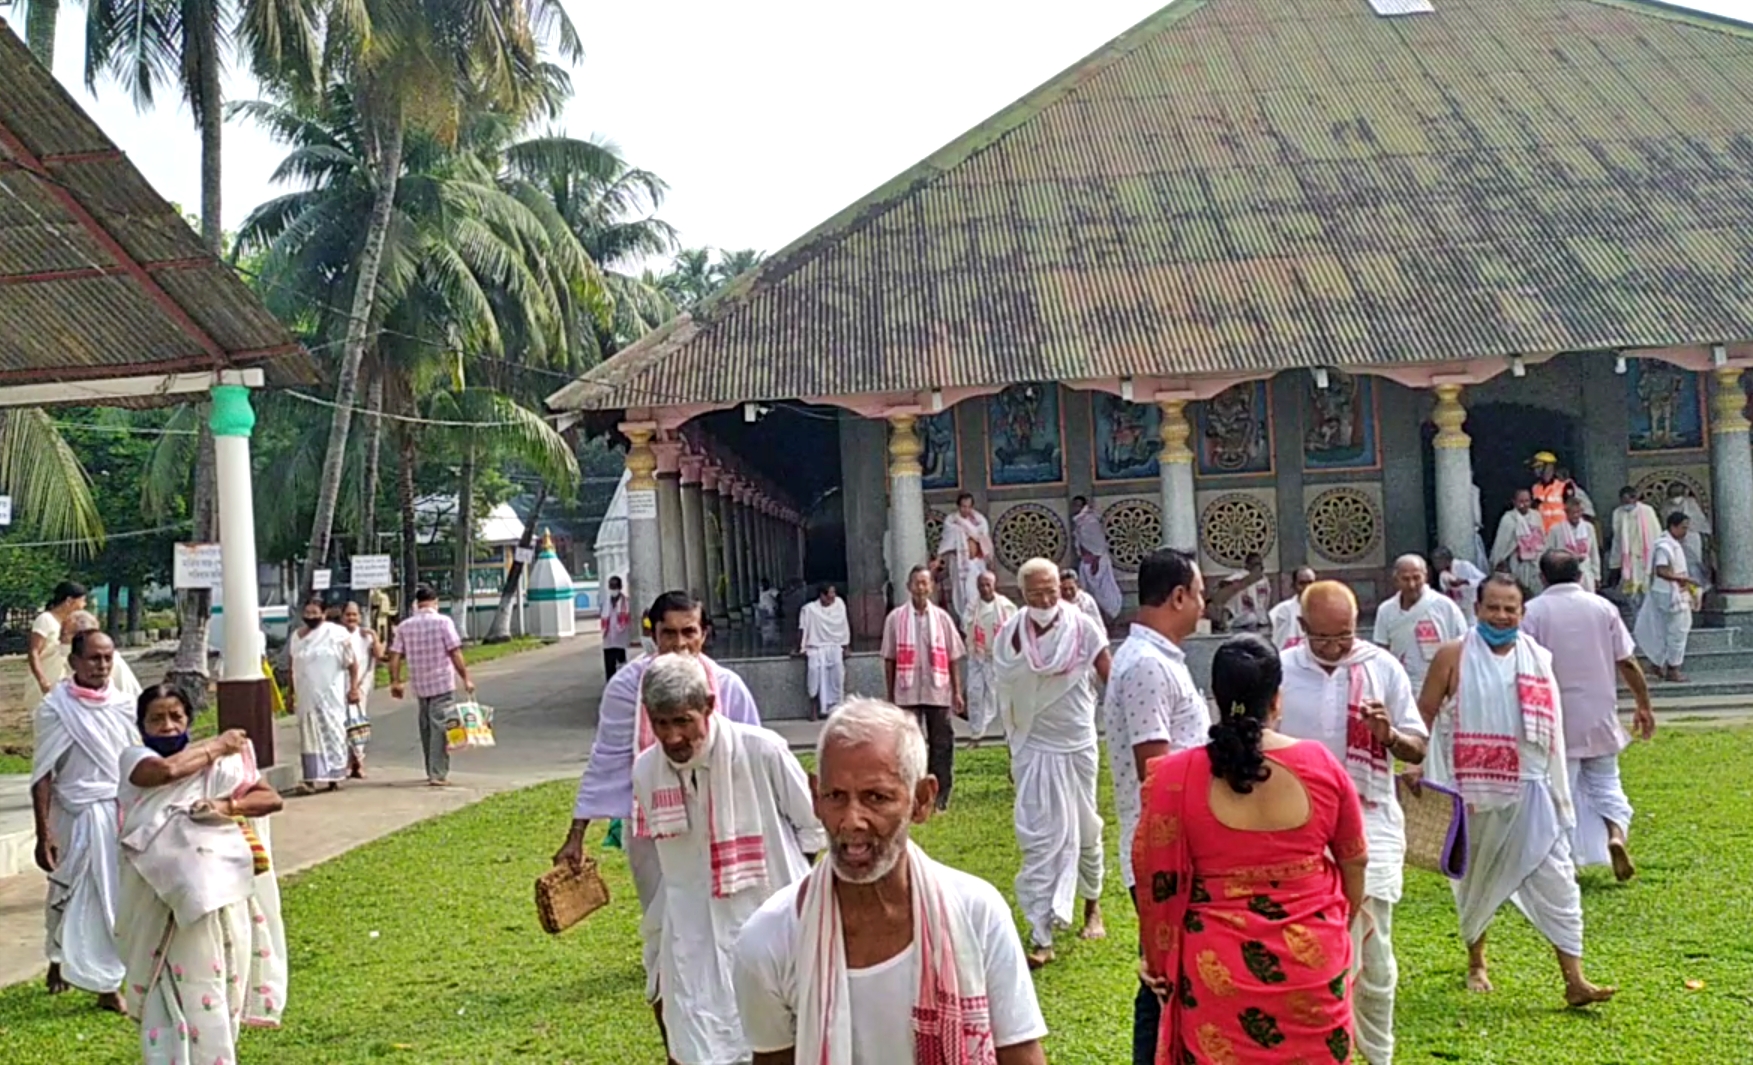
1505, 436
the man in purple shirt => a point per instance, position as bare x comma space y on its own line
434, 652
606, 789
1589, 644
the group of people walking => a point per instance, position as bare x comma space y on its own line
1260, 837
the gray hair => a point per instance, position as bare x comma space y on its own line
863, 722
83, 621
1035, 567
1412, 560
675, 682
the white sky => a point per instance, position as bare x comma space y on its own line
765, 116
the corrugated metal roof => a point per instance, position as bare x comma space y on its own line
1250, 185
99, 276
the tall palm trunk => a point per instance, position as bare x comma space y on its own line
39, 30
359, 319
373, 454
195, 607
500, 631
465, 534
405, 498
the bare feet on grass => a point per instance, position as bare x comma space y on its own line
1092, 922
1576, 996
1477, 980
55, 982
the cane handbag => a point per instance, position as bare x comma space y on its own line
567, 894
1436, 827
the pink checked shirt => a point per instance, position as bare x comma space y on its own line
426, 641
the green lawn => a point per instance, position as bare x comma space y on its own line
424, 947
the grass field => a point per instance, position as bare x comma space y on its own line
423, 947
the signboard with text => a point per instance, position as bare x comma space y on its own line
372, 571
196, 566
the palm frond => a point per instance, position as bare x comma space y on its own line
48, 486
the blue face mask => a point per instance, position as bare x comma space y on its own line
165, 746
1496, 637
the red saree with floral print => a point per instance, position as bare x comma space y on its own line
1250, 929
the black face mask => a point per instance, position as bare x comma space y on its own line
311, 623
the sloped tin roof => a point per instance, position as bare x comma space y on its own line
1251, 185
99, 276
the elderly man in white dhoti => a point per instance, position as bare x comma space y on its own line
1665, 619
82, 727
1521, 536
1413, 624
605, 791
964, 553
1355, 698
1577, 536
122, 676
1636, 527
882, 956
1286, 617
1073, 595
985, 617
730, 812
1698, 531
824, 635
1048, 659
1095, 567
1504, 752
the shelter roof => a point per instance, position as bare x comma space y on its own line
99, 276
1243, 186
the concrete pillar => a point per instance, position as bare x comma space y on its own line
1454, 473
644, 553
731, 531
801, 535
713, 527
1731, 483
672, 550
907, 547
752, 549
1175, 468
693, 527
244, 698
864, 506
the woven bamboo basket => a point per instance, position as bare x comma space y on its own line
1436, 828
567, 894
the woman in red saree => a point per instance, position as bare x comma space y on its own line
1250, 857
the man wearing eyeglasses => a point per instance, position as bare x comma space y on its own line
1355, 698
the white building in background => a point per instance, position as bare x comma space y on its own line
611, 542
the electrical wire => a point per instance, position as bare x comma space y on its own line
108, 537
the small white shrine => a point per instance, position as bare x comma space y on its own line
550, 595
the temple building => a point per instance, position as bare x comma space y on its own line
1307, 279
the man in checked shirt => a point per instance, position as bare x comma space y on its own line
428, 641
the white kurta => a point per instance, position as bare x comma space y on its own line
1697, 528
1095, 568
1249, 608
966, 548
1635, 529
825, 635
1413, 635
79, 744
698, 932
1579, 540
1665, 620
1460, 582
1287, 623
1050, 723
321, 675
1520, 539
982, 624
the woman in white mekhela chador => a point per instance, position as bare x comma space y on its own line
200, 922
1095, 566
325, 680
965, 552
1048, 658
730, 812
81, 730
824, 634
368, 652
1665, 619
985, 617
1577, 536
1505, 754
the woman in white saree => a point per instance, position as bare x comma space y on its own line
199, 923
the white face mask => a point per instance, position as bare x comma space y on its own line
1043, 615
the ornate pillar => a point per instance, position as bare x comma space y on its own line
731, 532
1175, 467
1454, 472
668, 449
907, 547
712, 526
644, 553
244, 698
693, 527
1731, 484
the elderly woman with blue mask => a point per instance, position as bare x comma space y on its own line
199, 913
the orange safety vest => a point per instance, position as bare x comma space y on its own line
1549, 499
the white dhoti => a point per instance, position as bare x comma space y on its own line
1600, 800
648, 885
80, 916
1376, 974
1520, 853
827, 676
982, 695
1098, 580
1059, 832
1660, 632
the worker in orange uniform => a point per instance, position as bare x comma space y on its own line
1549, 489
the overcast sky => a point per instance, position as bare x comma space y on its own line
765, 116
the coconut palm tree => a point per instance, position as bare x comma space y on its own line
50, 491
